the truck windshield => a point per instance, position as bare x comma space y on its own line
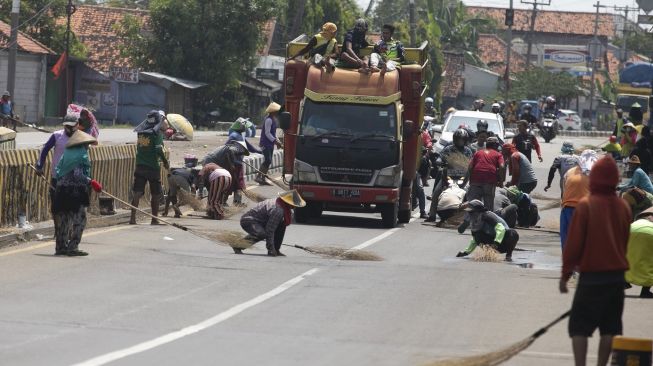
626, 101
354, 121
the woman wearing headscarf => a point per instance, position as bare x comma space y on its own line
577, 187
88, 123
239, 129
628, 139
71, 197
322, 48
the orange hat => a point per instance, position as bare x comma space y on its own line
329, 28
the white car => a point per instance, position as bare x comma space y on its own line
569, 120
469, 119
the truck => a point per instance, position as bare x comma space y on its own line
635, 87
351, 138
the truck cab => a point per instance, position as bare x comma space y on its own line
350, 138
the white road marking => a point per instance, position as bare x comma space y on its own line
170, 337
380, 237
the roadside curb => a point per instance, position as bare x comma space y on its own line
576, 133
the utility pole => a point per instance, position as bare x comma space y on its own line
535, 3
595, 50
624, 51
510, 18
13, 47
413, 24
70, 10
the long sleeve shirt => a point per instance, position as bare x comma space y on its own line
493, 226
639, 180
269, 215
598, 236
57, 141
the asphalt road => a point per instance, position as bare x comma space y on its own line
161, 296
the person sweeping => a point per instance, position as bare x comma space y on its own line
268, 220
596, 247
640, 253
71, 195
219, 181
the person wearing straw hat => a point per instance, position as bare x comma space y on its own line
149, 151
577, 187
488, 228
230, 156
639, 178
596, 248
71, 197
628, 138
562, 163
638, 200
268, 140
58, 141
640, 253
268, 220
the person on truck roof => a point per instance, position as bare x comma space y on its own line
350, 57
388, 53
322, 47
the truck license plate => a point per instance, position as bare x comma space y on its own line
346, 193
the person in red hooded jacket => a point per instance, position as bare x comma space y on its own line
596, 247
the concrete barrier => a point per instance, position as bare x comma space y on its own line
573, 133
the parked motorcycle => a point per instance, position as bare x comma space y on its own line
549, 127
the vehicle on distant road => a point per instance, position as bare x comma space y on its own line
569, 120
469, 119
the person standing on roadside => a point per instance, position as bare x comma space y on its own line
268, 140
619, 124
7, 110
485, 174
562, 163
149, 151
521, 170
596, 247
525, 141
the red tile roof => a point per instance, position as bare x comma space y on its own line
94, 27
492, 51
268, 34
25, 42
454, 65
551, 21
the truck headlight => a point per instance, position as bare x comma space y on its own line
389, 176
304, 172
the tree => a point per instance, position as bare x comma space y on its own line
637, 42
537, 82
38, 20
211, 41
308, 16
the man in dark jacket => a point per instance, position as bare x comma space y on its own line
489, 229
525, 141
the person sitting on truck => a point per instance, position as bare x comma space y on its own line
388, 53
525, 141
350, 56
322, 47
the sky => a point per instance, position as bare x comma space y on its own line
558, 5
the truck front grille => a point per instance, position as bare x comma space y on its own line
346, 175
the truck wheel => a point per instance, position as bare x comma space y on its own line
302, 214
315, 209
389, 214
404, 216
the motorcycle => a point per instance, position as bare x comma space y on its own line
549, 127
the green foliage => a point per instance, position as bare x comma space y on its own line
537, 82
201, 40
342, 13
131, 4
40, 23
637, 42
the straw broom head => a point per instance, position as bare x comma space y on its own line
343, 253
486, 253
234, 239
186, 198
253, 196
487, 359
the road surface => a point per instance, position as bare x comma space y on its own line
155, 295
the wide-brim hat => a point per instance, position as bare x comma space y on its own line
634, 159
273, 107
80, 138
643, 214
292, 198
629, 124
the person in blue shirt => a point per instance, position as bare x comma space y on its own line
639, 178
7, 110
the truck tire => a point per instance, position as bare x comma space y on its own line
315, 209
404, 216
389, 213
302, 214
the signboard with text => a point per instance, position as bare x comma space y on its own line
272, 74
565, 58
124, 74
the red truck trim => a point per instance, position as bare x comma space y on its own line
323, 193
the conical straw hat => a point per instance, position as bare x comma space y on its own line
273, 107
292, 198
80, 138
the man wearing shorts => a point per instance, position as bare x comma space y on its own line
596, 248
149, 151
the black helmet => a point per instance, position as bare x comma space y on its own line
460, 134
502, 105
481, 125
528, 106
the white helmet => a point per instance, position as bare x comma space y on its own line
428, 100
496, 105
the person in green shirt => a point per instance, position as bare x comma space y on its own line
149, 151
388, 53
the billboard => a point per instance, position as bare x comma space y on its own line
565, 59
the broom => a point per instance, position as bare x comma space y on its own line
502, 355
28, 125
187, 198
284, 187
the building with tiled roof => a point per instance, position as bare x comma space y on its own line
492, 51
25, 42
95, 26
453, 80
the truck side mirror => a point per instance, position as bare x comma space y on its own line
284, 120
408, 128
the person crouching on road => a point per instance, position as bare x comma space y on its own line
268, 220
596, 247
521, 170
180, 179
488, 228
219, 181
640, 253
71, 195
149, 151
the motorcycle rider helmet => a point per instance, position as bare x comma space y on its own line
550, 101
481, 125
460, 137
502, 105
428, 100
528, 107
496, 108
479, 104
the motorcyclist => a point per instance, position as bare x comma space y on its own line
496, 108
550, 107
482, 134
525, 141
453, 162
528, 116
478, 105
429, 110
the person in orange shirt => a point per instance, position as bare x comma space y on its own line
576, 186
